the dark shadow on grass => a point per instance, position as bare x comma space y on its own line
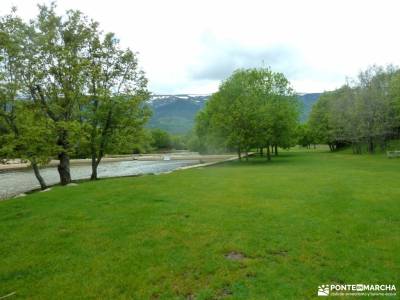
258, 161
77, 181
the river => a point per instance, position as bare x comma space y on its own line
15, 182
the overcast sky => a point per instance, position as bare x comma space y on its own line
190, 46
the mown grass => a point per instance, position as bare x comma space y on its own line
303, 220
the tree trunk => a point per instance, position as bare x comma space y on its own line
371, 148
95, 164
94, 168
94, 173
39, 177
268, 153
383, 144
262, 151
276, 150
63, 168
239, 153
63, 157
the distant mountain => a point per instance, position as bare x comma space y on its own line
308, 99
176, 113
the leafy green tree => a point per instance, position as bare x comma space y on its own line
25, 132
161, 140
304, 136
84, 83
204, 138
194, 143
253, 108
117, 91
53, 70
30, 136
35, 140
284, 115
178, 142
377, 115
319, 120
364, 113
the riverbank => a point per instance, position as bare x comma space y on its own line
19, 181
15, 165
22, 179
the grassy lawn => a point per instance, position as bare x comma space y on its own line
303, 220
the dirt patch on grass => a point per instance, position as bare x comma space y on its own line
233, 255
224, 293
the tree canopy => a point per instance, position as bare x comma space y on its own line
81, 88
363, 112
253, 108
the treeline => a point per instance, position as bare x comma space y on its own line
253, 109
161, 140
364, 113
67, 89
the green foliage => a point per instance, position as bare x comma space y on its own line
193, 142
36, 138
91, 91
31, 136
253, 108
47, 63
394, 92
178, 142
161, 140
365, 113
305, 136
25, 132
113, 108
177, 113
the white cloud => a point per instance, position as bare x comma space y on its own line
189, 46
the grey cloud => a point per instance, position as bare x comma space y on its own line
220, 61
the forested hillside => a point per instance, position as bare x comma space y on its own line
176, 113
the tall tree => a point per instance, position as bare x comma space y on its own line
78, 78
25, 132
116, 95
58, 62
253, 108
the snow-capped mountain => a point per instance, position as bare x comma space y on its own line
160, 100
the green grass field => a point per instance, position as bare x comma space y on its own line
305, 219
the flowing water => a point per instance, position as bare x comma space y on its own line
16, 182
